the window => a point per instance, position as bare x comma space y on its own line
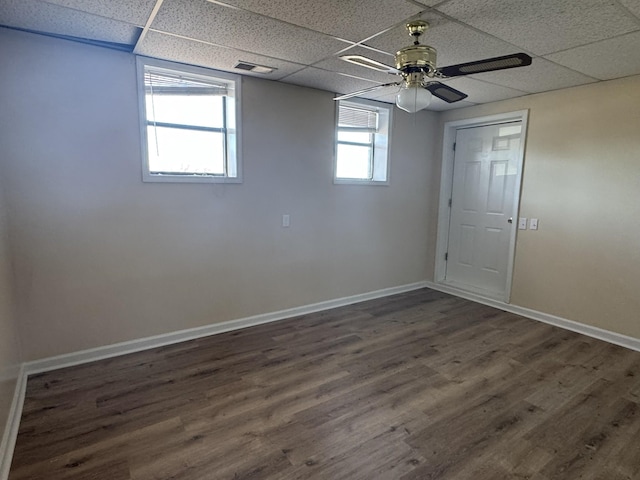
362, 142
188, 123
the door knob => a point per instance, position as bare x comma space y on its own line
510, 220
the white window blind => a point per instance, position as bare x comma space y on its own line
361, 119
158, 82
188, 123
362, 142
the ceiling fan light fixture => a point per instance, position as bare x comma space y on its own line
413, 98
416, 64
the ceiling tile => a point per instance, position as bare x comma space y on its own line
544, 26
323, 80
47, 18
337, 65
429, 3
136, 12
168, 47
632, 5
483, 92
398, 37
540, 76
231, 27
616, 57
352, 20
582, 41
438, 105
454, 43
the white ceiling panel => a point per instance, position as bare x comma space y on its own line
48, 18
168, 47
483, 92
540, 76
352, 20
573, 42
136, 12
438, 105
231, 27
632, 5
544, 26
454, 43
617, 57
429, 3
457, 43
321, 79
396, 38
337, 65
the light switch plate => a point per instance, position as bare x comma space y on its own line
286, 220
533, 224
522, 223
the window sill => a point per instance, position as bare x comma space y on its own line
354, 181
159, 178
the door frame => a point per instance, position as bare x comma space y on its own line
446, 188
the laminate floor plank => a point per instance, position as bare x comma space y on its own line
420, 385
100, 455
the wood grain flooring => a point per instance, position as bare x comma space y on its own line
420, 385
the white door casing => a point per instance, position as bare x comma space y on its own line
482, 178
484, 174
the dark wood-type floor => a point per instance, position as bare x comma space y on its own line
415, 386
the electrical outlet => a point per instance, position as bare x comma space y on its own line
522, 223
286, 220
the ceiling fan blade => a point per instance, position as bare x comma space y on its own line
445, 92
371, 89
487, 65
369, 63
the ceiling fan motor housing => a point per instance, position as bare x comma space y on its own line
416, 58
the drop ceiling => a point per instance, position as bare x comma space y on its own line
572, 42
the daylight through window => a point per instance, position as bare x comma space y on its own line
362, 142
188, 123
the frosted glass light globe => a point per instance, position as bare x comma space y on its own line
413, 98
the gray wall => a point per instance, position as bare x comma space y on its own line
101, 257
10, 357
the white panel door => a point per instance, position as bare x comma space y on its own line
482, 205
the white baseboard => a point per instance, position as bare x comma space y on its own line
77, 358
108, 351
114, 350
10, 433
591, 331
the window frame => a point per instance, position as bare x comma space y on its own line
232, 143
381, 143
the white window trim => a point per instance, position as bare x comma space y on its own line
381, 152
141, 62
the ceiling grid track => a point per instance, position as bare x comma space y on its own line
571, 43
147, 25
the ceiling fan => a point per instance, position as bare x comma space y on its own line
416, 64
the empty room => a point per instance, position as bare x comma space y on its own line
319, 239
